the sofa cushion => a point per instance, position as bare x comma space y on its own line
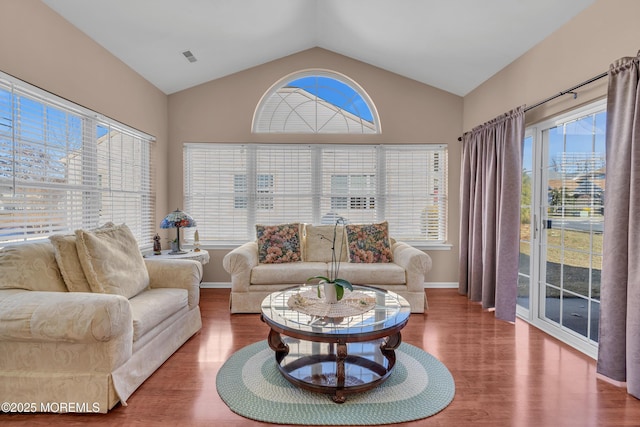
30, 266
318, 240
292, 273
369, 243
373, 273
63, 317
111, 261
151, 307
68, 261
278, 243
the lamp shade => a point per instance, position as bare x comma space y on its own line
177, 219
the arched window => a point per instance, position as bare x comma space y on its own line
316, 101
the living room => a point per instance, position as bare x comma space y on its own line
57, 57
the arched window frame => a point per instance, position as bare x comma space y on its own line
375, 127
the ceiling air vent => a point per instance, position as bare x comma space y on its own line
187, 54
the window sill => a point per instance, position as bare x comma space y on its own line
429, 246
418, 245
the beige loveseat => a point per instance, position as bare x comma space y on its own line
85, 350
252, 280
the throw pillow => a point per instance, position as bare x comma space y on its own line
319, 239
111, 261
369, 243
69, 262
278, 243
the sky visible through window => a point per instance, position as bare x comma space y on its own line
42, 121
584, 135
335, 92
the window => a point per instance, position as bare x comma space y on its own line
264, 185
230, 188
353, 184
316, 101
63, 168
241, 201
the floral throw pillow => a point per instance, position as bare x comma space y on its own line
278, 243
369, 243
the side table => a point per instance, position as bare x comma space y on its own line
202, 256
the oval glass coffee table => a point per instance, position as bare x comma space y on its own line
337, 350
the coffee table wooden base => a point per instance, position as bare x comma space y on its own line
327, 371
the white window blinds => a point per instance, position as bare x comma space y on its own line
416, 191
349, 183
230, 188
62, 168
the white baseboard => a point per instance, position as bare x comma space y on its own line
427, 285
216, 285
441, 285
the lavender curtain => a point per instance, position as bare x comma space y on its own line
490, 213
619, 338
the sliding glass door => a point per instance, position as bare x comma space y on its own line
562, 224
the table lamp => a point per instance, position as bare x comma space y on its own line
177, 219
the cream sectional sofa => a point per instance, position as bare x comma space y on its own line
252, 281
85, 351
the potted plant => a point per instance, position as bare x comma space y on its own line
174, 244
333, 285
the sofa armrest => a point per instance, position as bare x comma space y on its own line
176, 273
239, 263
415, 262
74, 317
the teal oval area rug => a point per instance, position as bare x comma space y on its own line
250, 383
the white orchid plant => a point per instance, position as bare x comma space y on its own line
334, 267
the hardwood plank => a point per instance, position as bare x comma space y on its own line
506, 375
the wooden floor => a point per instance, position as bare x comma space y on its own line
505, 375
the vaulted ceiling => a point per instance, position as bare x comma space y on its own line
454, 45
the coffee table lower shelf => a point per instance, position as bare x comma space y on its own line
335, 368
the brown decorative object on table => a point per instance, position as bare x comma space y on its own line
157, 247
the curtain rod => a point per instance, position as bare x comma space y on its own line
564, 92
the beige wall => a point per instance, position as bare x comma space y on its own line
41, 48
410, 112
52, 54
581, 49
